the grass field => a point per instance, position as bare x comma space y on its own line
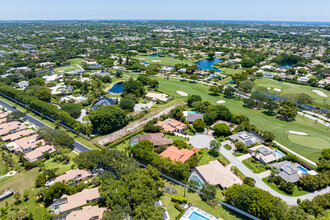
318, 135
287, 88
195, 200
207, 157
164, 60
72, 66
256, 168
295, 193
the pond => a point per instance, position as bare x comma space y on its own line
286, 66
117, 88
153, 55
206, 64
48, 72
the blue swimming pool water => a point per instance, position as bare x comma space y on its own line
279, 153
197, 180
302, 169
117, 88
192, 112
196, 216
133, 143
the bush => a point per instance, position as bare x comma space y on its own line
73, 109
179, 199
221, 129
178, 207
127, 103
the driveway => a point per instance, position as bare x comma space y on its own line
260, 184
201, 141
77, 146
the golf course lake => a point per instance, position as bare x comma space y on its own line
207, 64
117, 88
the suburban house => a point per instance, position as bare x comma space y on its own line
86, 213
175, 154
263, 154
17, 135
171, 125
302, 80
192, 117
39, 152
103, 102
287, 171
75, 175
3, 114
67, 203
103, 74
156, 138
166, 69
25, 144
214, 173
13, 126
69, 89
51, 78
246, 138
22, 84
156, 96
268, 75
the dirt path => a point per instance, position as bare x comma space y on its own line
134, 126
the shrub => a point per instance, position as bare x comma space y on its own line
178, 207
179, 199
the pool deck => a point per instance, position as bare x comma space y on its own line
201, 212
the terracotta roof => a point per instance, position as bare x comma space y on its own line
17, 135
177, 155
39, 152
11, 126
171, 125
87, 213
216, 174
79, 199
156, 138
29, 142
75, 174
3, 115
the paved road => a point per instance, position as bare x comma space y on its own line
260, 184
314, 118
77, 146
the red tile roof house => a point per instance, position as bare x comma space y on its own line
26, 144
38, 153
156, 138
3, 115
75, 175
175, 154
17, 135
87, 213
11, 127
67, 203
171, 125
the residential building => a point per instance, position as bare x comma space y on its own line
175, 154
216, 174
17, 135
67, 203
13, 126
191, 117
263, 154
103, 102
156, 138
268, 75
75, 175
22, 84
26, 144
287, 171
69, 89
86, 213
39, 152
171, 125
247, 138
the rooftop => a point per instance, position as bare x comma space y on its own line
175, 154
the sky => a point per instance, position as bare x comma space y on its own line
263, 10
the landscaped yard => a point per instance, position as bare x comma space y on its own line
318, 133
253, 165
295, 193
207, 157
195, 200
72, 66
164, 60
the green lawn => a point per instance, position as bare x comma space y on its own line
72, 66
207, 157
230, 71
287, 88
311, 149
195, 200
295, 193
164, 60
256, 166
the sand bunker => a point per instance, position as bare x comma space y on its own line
320, 93
297, 133
268, 87
277, 90
221, 101
140, 58
156, 61
182, 93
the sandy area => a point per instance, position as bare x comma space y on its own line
221, 101
140, 58
297, 133
156, 61
182, 93
320, 93
268, 87
277, 90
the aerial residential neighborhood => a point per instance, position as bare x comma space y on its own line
159, 111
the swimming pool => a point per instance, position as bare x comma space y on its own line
193, 112
197, 216
197, 181
279, 153
133, 143
168, 120
303, 170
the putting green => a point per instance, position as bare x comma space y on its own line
309, 141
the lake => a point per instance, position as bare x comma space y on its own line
117, 88
206, 64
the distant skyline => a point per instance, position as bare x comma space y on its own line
256, 10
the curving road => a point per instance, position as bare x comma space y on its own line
77, 146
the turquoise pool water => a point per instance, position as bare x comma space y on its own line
133, 143
279, 153
303, 170
192, 112
197, 181
196, 216
169, 120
